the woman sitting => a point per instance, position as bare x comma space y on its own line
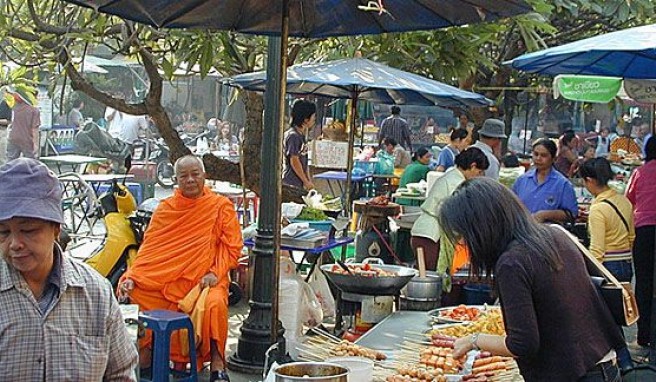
459, 140
566, 155
558, 326
415, 172
547, 193
426, 231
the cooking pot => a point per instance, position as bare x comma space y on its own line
371, 286
311, 371
427, 288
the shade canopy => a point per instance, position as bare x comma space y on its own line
366, 80
309, 18
629, 53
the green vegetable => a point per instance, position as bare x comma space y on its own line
312, 214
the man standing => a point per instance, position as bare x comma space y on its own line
5, 120
296, 172
397, 128
24, 134
133, 125
192, 243
59, 318
114, 120
489, 141
75, 117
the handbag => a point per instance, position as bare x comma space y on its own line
619, 296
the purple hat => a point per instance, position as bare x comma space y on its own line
29, 189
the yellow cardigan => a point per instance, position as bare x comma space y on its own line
609, 239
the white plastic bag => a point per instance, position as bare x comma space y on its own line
297, 305
319, 286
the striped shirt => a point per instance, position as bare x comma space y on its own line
80, 337
397, 128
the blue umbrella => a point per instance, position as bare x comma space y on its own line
310, 18
629, 53
363, 79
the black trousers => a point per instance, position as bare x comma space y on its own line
643, 261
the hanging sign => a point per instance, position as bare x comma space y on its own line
641, 90
587, 88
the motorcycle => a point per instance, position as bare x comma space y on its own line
93, 141
118, 248
160, 155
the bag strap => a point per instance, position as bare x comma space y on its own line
626, 225
590, 257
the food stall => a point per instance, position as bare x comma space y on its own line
418, 346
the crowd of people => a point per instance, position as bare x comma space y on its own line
194, 240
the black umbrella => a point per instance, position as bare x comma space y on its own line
309, 18
302, 18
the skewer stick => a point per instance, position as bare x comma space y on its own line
326, 335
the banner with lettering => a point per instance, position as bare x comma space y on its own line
587, 88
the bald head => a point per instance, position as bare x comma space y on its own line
190, 176
188, 160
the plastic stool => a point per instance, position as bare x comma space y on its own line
163, 323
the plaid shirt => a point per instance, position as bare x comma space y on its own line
397, 128
81, 337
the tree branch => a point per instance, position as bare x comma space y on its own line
79, 83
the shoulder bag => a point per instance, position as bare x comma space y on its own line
619, 296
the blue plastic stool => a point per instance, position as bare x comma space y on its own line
163, 323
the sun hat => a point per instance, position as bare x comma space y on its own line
22, 94
28, 188
493, 128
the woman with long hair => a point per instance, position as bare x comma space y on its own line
641, 191
459, 140
547, 193
558, 326
426, 231
610, 221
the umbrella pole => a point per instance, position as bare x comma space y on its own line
262, 327
349, 158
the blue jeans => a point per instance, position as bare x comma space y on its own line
621, 269
605, 372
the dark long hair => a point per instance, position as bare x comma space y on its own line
489, 217
598, 169
419, 153
650, 148
472, 155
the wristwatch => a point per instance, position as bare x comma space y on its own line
473, 340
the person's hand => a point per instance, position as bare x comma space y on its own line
308, 185
539, 216
209, 280
462, 346
124, 288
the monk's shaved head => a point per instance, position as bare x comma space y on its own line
190, 176
188, 160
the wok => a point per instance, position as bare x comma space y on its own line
371, 286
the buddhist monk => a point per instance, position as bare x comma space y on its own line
194, 239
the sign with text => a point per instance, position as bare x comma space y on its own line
330, 154
641, 90
587, 88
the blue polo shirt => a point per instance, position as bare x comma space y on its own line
556, 193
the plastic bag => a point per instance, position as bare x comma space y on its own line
297, 304
385, 164
319, 286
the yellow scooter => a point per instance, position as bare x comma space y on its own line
118, 248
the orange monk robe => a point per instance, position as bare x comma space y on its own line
186, 239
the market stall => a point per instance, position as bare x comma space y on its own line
418, 346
